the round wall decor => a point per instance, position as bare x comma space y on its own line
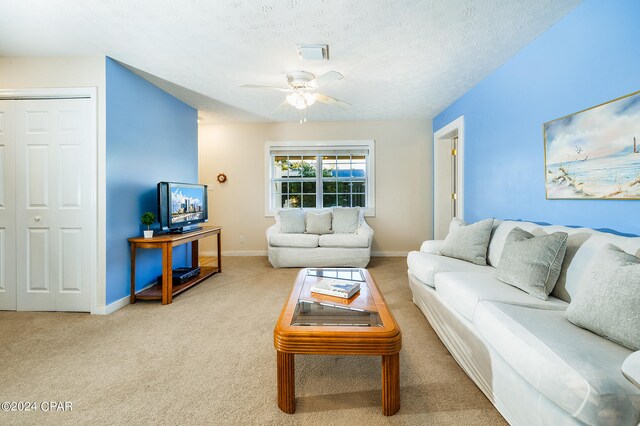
222, 178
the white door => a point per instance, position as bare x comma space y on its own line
55, 213
7, 207
448, 176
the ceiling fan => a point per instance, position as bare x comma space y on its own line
303, 90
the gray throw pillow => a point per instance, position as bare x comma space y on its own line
532, 263
291, 221
319, 223
468, 242
345, 220
608, 302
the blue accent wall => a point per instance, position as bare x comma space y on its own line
151, 137
589, 57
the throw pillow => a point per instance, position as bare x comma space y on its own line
291, 221
345, 220
608, 302
468, 242
319, 223
532, 263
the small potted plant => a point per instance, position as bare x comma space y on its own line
148, 218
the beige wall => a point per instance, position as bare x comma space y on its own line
70, 72
404, 190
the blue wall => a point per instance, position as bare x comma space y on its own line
151, 137
589, 57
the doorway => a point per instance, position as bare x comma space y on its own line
448, 176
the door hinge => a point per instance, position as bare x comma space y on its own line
454, 196
454, 152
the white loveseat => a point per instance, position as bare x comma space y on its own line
534, 365
287, 250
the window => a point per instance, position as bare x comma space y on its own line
320, 174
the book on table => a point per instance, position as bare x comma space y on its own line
336, 287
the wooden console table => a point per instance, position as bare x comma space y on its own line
167, 242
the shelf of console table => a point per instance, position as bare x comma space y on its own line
166, 243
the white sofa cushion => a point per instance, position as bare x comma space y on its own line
318, 222
574, 368
291, 221
345, 220
424, 266
631, 368
468, 241
343, 240
499, 237
532, 263
608, 303
464, 290
293, 240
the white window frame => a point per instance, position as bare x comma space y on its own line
305, 146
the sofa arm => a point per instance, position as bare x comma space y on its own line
273, 229
365, 229
631, 368
431, 246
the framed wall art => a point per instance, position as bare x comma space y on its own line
595, 153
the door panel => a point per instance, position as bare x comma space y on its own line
37, 260
56, 159
7, 206
37, 176
70, 188
70, 260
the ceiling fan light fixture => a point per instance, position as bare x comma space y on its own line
310, 98
301, 100
296, 100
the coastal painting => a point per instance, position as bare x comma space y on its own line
595, 154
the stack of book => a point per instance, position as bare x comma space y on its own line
334, 287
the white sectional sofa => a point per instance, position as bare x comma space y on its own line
534, 365
303, 249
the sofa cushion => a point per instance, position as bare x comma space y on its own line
291, 221
468, 242
345, 220
609, 301
463, 291
532, 263
631, 368
424, 266
577, 370
344, 240
318, 223
293, 240
499, 237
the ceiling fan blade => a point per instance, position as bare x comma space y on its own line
280, 107
258, 86
327, 77
331, 101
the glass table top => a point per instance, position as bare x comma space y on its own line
334, 312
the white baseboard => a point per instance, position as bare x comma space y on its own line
114, 306
389, 253
235, 253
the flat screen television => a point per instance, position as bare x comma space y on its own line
182, 206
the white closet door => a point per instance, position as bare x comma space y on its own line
7, 207
55, 212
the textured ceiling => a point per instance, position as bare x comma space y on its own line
400, 59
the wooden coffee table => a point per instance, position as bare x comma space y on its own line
314, 324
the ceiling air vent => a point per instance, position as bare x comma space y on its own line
314, 52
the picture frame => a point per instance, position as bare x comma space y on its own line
595, 153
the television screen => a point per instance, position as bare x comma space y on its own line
187, 203
181, 206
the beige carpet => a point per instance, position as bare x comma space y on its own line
209, 359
